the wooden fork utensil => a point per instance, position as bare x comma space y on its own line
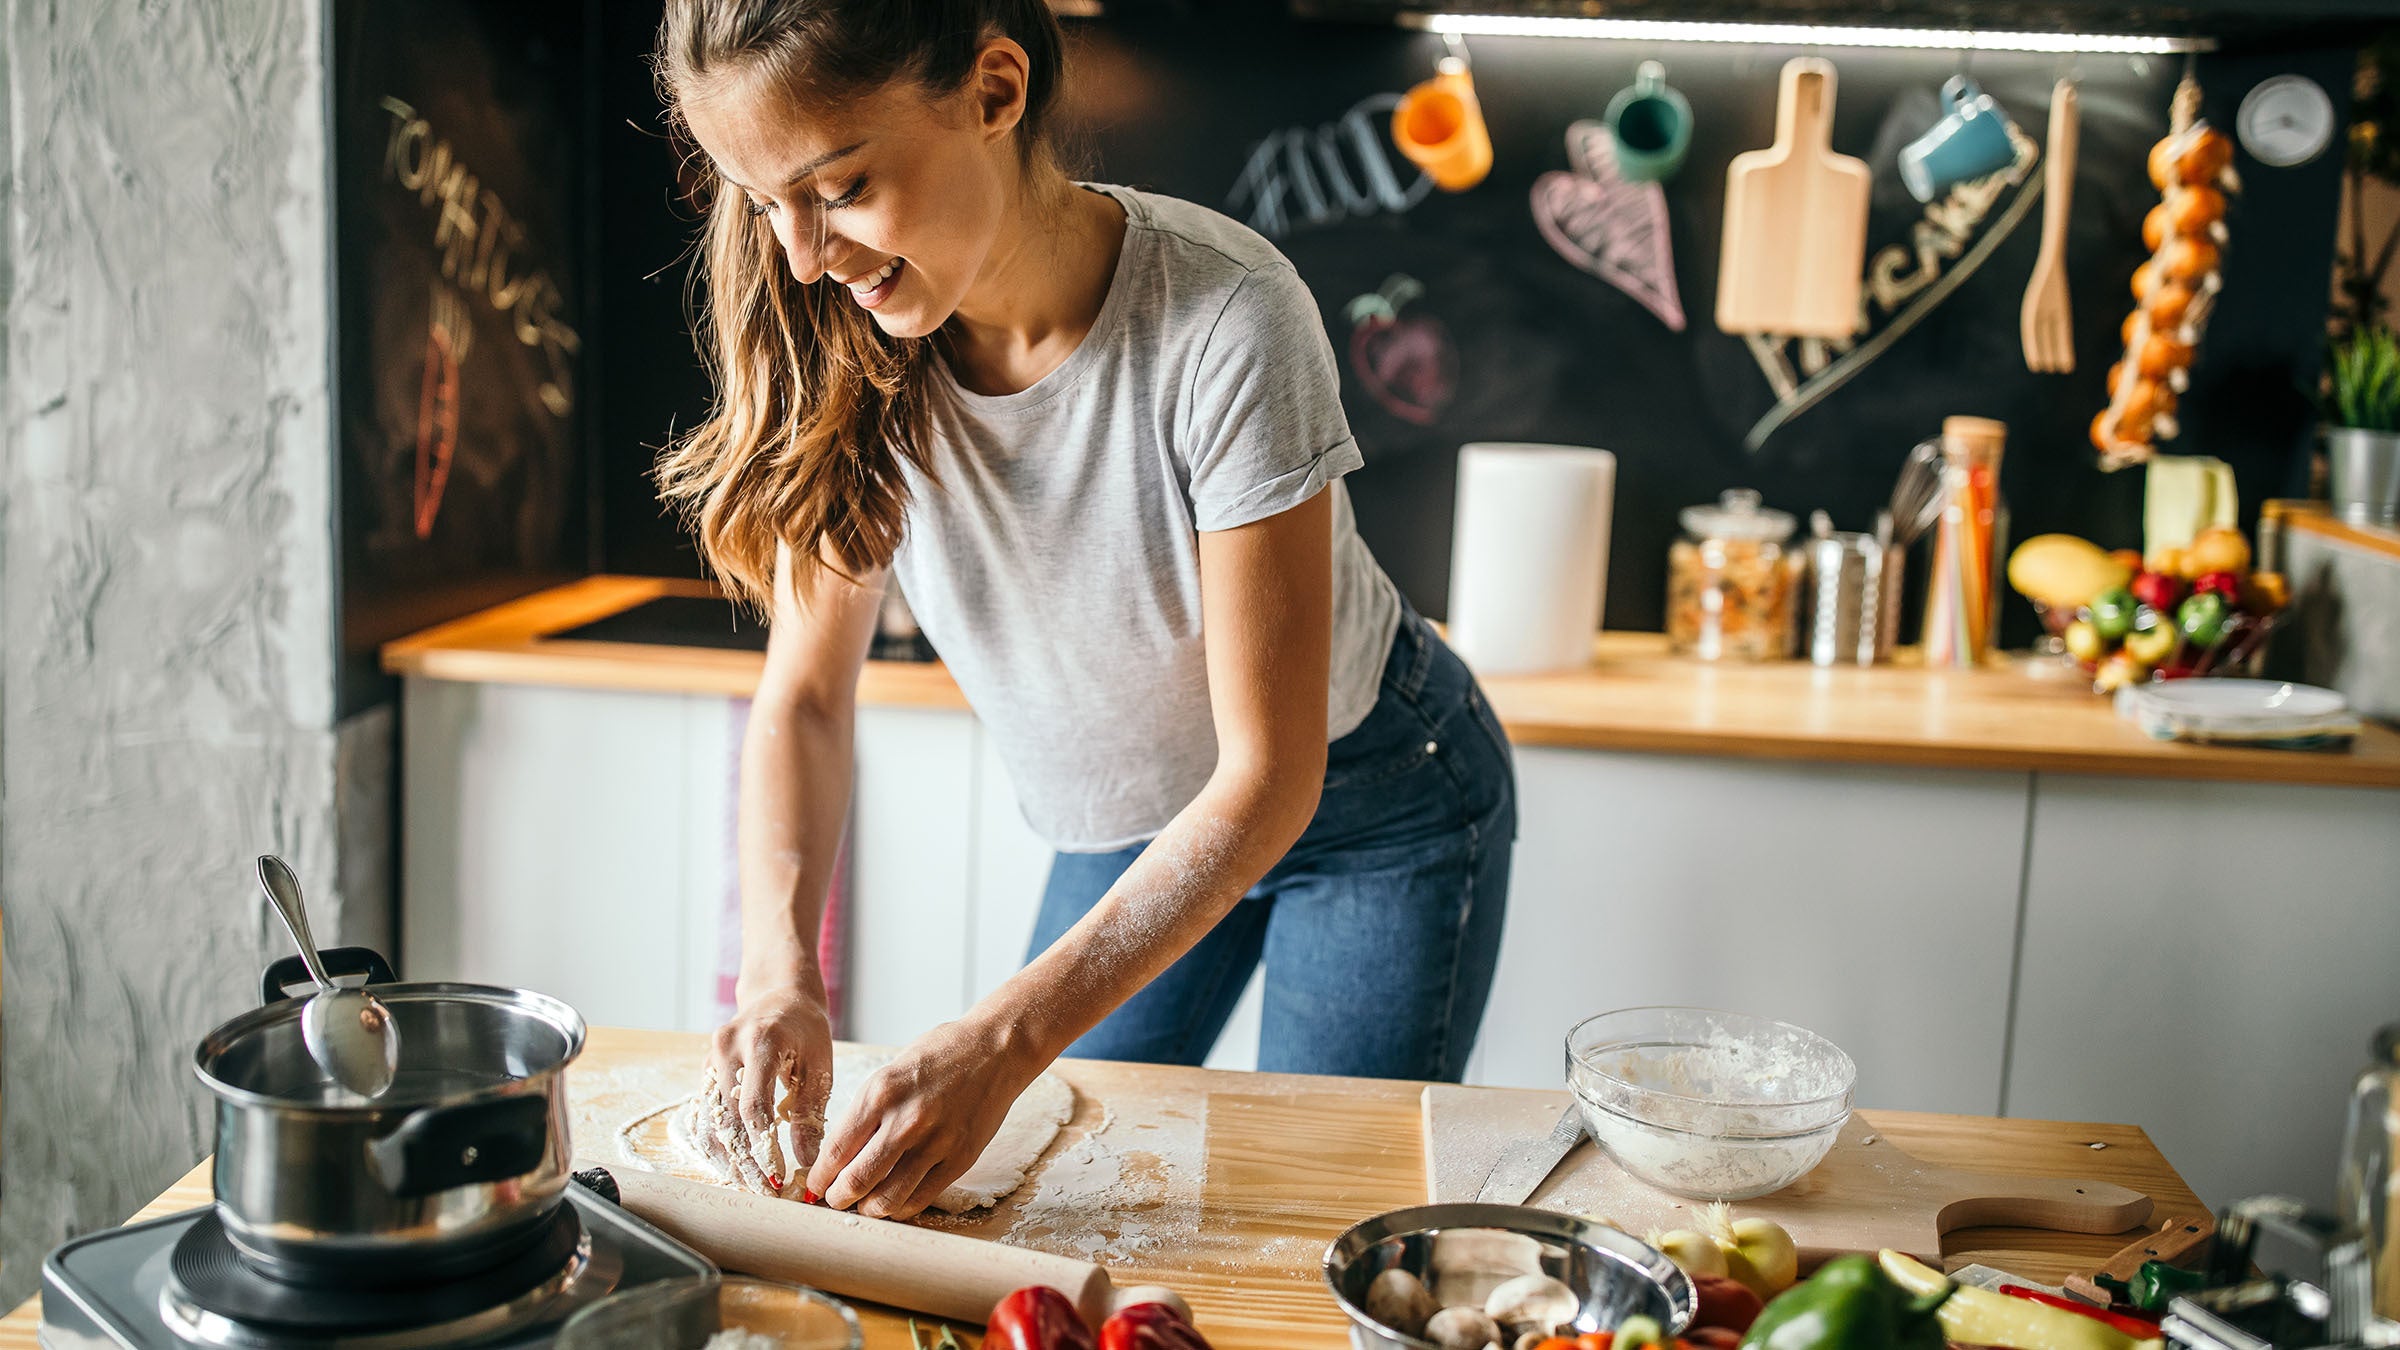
2047, 319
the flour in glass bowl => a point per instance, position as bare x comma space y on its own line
1698, 1108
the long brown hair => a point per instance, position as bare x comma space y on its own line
816, 409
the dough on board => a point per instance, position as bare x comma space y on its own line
659, 1140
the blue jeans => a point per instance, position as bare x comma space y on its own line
1379, 928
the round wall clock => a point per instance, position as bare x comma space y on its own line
2286, 121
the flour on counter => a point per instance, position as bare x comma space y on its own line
1123, 1192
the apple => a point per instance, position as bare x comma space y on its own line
2159, 590
2264, 593
2084, 642
2111, 613
2202, 618
2153, 643
2120, 669
2227, 584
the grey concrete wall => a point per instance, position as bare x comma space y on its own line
166, 581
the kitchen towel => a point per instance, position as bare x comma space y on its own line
1529, 555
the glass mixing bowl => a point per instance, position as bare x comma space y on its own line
1706, 1104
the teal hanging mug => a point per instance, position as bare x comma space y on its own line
1971, 141
1652, 125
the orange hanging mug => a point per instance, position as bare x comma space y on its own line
1439, 126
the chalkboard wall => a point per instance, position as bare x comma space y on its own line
1219, 103
462, 160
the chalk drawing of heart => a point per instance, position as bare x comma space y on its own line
1614, 229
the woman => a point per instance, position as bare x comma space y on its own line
1096, 434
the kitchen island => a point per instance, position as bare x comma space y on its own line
1242, 1180
1998, 897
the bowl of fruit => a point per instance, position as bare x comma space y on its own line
2125, 619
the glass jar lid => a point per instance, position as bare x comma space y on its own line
1738, 515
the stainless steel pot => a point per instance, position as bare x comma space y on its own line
457, 1166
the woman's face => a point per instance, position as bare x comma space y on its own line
895, 196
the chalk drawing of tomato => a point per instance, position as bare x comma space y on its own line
1408, 363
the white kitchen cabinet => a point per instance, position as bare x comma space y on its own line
571, 841
1876, 907
912, 812
581, 842
2208, 960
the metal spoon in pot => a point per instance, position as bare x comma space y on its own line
349, 1033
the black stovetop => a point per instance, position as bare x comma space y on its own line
172, 1283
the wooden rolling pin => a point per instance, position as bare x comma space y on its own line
851, 1256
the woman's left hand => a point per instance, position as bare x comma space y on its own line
921, 1121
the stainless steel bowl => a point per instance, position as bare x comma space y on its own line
1455, 1248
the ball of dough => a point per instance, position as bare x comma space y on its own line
1462, 1328
1400, 1301
1532, 1303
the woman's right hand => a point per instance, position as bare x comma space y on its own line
778, 1038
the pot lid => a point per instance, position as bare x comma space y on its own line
1737, 515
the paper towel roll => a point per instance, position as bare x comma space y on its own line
1529, 555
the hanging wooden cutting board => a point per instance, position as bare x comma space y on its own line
1866, 1195
1795, 221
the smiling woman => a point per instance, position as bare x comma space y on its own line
1097, 436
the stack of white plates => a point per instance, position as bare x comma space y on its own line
2240, 712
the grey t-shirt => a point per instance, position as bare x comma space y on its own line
1054, 559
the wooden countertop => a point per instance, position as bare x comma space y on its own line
2016, 716
1228, 1186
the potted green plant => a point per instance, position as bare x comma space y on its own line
2362, 435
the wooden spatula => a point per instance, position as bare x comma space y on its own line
1795, 221
2047, 319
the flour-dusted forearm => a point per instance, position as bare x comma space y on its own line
1184, 882
774, 1059
795, 794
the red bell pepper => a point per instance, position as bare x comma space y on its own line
2140, 1328
1037, 1318
1150, 1326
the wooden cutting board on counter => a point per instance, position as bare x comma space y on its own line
1866, 1195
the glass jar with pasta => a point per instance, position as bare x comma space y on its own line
1729, 582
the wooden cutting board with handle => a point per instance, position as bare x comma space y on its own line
1866, 1195
1795, 245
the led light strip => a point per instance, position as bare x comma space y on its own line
1802, 35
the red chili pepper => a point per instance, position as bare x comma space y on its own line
1150, 1326
1037, 1318
2140, 1328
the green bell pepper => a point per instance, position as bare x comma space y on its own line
1849, 1304
2157, 1284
